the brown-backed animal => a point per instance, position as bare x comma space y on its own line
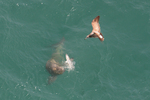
55, 66
96, 32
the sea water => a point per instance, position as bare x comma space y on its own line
115, 69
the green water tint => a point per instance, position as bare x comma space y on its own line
116, 69
55, 64
58, 54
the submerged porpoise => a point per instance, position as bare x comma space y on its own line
96, 32
57, 65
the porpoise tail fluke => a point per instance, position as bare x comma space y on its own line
96, 32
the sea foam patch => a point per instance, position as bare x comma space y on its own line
69, 64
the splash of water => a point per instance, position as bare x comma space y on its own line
69, 64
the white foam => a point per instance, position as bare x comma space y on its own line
69, 64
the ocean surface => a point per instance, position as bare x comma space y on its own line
116, 69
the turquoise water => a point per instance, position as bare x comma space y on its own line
116, 69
